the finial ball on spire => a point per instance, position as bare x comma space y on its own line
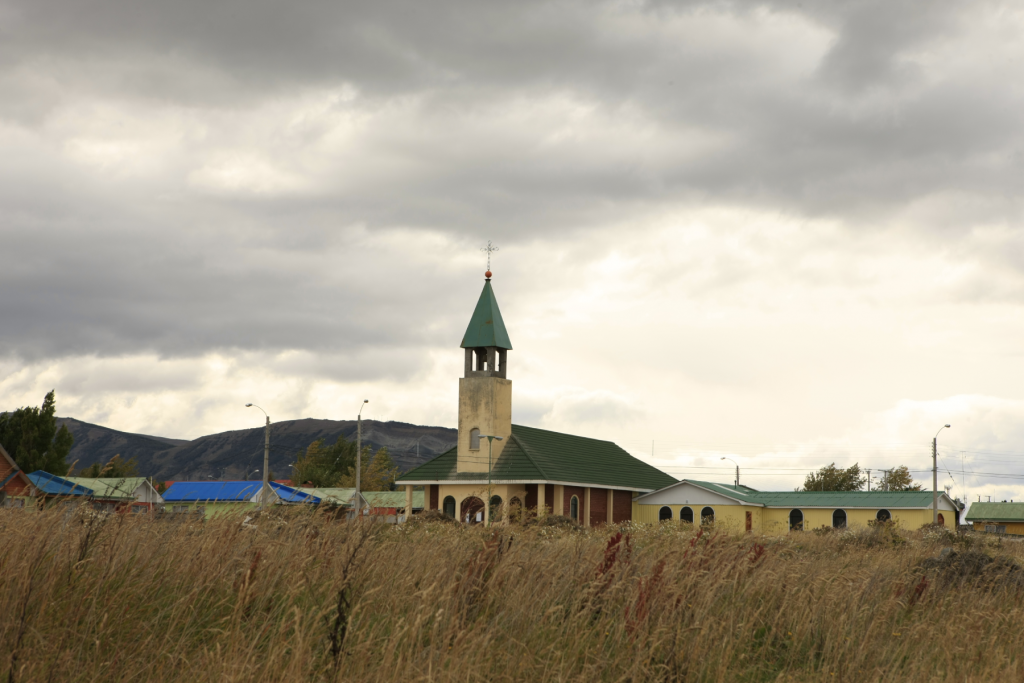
487, 275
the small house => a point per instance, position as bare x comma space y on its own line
997, 518
121, 494
210, 498
16, 488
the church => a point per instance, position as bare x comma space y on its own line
521, 469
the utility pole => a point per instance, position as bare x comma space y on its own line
265, 491
487, 509
359, 457
935, 475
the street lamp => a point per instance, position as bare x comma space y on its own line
737, 470
487, 509
265, 494
935, 475
359, 456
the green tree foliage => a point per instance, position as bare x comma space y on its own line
379, 472
31, 437
116, 468
897, 479
324, 466
832, 478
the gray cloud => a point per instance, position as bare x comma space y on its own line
183, 177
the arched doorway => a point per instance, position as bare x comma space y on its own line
707, 516
449, 507
472, 511
574, 509
883, 516
796, 520
495, 511
665, 513
839, 519
515, 510
686, 515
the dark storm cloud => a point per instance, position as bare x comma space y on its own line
826, 110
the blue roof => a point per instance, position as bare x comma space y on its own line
211, 491
53, 485
290, 494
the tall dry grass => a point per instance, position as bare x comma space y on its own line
303, 598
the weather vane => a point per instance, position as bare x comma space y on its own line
489, 249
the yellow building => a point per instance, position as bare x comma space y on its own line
997, 518
521, 468
743, 509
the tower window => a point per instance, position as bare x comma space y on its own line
474, 439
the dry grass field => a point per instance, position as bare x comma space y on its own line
302, 598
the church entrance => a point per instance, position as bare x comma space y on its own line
472, 510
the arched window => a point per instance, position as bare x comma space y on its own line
474, 439
495, 508
942, 520
664, 513
883, 516
574, 508
796, 520
686, 514
839, 519
707, 516
449, 507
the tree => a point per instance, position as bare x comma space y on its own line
116, 468
897, 479
832, 478
324, 466
31, 437
379, 472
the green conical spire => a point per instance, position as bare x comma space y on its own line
486, 328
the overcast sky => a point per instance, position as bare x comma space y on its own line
786, 233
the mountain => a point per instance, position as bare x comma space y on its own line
234, 455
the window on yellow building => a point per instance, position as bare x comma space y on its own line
686, 514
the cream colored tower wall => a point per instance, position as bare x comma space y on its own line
485, 403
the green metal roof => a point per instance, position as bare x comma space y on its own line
486, 328
379, 499
121, 488
824, 499
536, 455
995, 512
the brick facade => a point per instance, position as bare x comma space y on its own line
598, 507
622, 506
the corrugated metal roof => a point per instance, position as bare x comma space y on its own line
111, 487
335, 496
292, 494
823, 499
995, 512
212, 491
541, 455
53, 485
486, 328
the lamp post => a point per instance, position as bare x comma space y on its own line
737, 470
487, 508
935, 475
359, 456
265, 492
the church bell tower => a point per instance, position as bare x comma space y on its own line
485, 392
